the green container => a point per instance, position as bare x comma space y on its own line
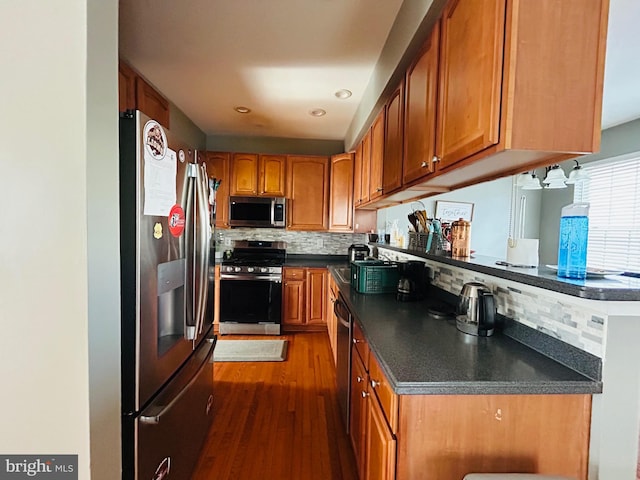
374, 276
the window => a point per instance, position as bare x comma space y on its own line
613, 193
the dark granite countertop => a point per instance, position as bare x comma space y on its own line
315, 261
420, 354
609, 288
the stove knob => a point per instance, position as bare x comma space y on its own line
250, 269
264, 269
229, 269
237, 269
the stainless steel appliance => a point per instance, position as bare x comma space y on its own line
257, 212
476, 311
358, 251
251, 288
343, 363
167, 296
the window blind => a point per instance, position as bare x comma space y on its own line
613, 193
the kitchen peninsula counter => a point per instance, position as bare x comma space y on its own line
421, 354
608, 288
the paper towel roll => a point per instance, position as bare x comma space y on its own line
523, 251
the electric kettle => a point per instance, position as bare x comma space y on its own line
476, 312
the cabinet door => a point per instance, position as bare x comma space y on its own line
126, 87
271, 175
341, 193
377, 156
244, 174
394, 131
366, 168
293, 298
357, 175
358, 410
149, 101
471, 52
308, 192
316, 285
218, 167
380, 445
421, 96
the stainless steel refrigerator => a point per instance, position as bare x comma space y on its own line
166, 248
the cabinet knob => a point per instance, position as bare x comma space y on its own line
435, 159
379, 189
374, 384
355, 341
365, 394
423, 165
359, 379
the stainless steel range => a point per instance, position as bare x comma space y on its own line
251, 288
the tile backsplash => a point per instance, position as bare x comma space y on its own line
297, 242
569, 319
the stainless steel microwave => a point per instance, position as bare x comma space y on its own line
257, 212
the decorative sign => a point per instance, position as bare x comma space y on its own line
450, 211
176, 220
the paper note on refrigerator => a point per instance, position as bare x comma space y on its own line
159, 183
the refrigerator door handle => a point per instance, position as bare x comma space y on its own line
155, 412
190, 326
203, 239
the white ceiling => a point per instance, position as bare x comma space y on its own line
284, 58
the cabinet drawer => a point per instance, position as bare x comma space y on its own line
294, 273
384, 393
362, 347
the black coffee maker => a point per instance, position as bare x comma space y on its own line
414, 280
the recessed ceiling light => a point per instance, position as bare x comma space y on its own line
317, 112
343, 94
242, 109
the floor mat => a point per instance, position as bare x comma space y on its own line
250, 351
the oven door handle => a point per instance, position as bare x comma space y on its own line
251, 276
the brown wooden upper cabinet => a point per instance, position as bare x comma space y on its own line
365, 173
470, 90
393, 142
261, 175
515, 82
357, 175
377, 156
421, 98
218, 164
307, 192
341, 193
136, 93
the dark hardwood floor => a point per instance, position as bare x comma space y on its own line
278, 420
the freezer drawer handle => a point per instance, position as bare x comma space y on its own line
163, 469
155, 419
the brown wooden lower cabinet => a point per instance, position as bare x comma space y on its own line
359, 403
304, 299
380, 444
426, 437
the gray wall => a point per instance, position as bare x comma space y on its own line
490, 224
616, 141
185, 129
103, 240
274, 145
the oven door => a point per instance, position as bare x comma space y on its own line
251, 298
